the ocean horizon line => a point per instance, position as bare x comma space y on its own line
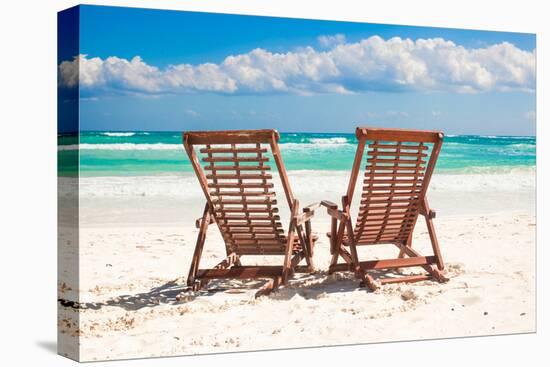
486, 135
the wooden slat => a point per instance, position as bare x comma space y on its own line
255, 238
404, 147
396, 181
390, 201
382, 233
375, 186
253, 225
366, 231
260, 250
250, 210
260, 245
375, 161
240, 272
244, 193
235, 159
252, 222
237, 185
242, 176
230, 136
394, 175
382, 239
400, 135
405, 279
237, 168
233, 150
389, 216
380, 230
218, 201
390, 210
395, 153
255, 233
221, 215
389, 222
264, 241
390, 194
367, 226
403, 171
252, 252
397, 263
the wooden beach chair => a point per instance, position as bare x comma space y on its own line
399, 166
240, 200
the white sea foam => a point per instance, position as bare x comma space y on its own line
323, 141
328, 184
122, 146
319, 143
306, 147
118, 134
521, 145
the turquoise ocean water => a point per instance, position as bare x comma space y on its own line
161, 153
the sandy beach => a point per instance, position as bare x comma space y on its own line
136, 242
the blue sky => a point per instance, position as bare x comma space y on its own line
171, 70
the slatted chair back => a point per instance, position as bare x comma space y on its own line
399, 166
237, 180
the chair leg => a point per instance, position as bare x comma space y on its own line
310, 246
287, 269
201, 237
305, 241
431, 269
435, 244
292, 228
366, 279
269, 287
407, 243
333, 261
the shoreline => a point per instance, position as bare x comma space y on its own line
155, 200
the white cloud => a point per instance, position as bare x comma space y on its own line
397, 114
391, 114
330, 41
372, 64
436, 113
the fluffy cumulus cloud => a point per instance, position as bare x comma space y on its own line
330, 41
372, 64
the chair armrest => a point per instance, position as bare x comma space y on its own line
337, 214
327, 204
429, 214
332, 209
199, 220
307, 213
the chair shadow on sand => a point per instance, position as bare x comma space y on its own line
309, 286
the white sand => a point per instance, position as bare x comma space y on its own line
135, 250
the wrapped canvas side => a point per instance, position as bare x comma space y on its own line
68, 320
